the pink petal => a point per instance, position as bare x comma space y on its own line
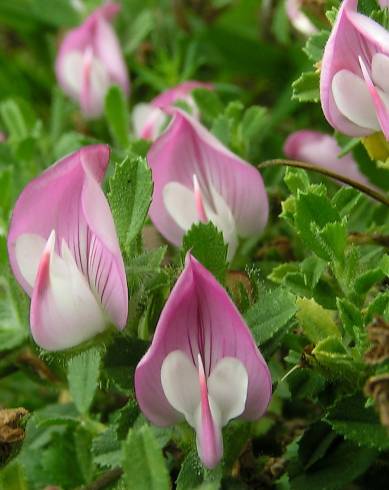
181, 91
349, 39
185, 149
298, 19
381, 109
323, 150
64, 311
97, 35
199, 317
148, 119
67, 198
209, 438
108, 51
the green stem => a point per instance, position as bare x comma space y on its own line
329, 173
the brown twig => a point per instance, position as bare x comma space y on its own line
367, 239
104, 480
328, 173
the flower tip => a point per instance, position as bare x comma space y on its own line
95, 159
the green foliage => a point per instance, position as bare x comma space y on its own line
316, 322
312, 287
352, 419
270, 313
208, 102
342, 465
130, 197
83, 376
120, 360
117, 115
205, 242
306, 87
143, 463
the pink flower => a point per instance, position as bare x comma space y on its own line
298, 19
383, 3
323, 150
196, 178
149, 119
354, 87
203, 365
64, 252
90, 60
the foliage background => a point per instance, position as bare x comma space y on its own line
313, 288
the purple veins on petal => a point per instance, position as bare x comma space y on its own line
203, 365
63, 214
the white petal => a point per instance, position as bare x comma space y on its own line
72, 71
28, 251
353, 99
180, 204
99, 78
180, 383
97, 85
380, 71
227, 389
64, 312
148, 121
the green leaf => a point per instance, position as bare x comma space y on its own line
350, 418
306, 383
144, 267
281, 25
313, 213
315, 443
191, 474
316, 322
139, 30
379, 306
336, 363
208, 103
83, 376
13, 314
121, 358
107, 449
345, 200
55, 462
50, 415
205, 242
270, 313
253, 122
221, 128
117, 115
130, 194
342, 465
18, 118
296, 179
314, 47
372, 276
6, 191
334, 238
376, 175
312, 268
83, 445
59, 13
12, 477
306, 87
350, 316
235, 438
143, 462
